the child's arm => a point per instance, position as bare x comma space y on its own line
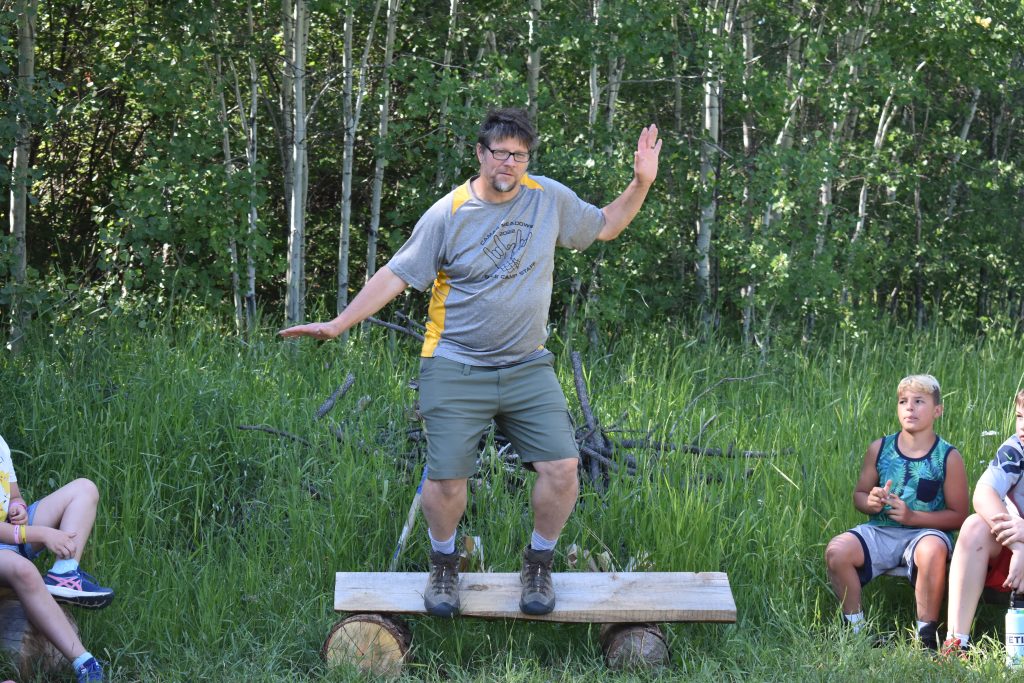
957, 506
17, 511
868, 496
63, 544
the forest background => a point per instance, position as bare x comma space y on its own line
825, 163
839, 204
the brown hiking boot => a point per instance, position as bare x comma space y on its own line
538, 595
441, 597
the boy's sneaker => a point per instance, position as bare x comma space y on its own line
928, 635
441, 598
952, 647
78, 588
538, 595
90, 672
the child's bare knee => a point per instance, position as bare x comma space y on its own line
837, 554
23, 574
86, 489
931, 554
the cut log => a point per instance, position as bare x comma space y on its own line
375, 643
583, 597
633, 646
31, 652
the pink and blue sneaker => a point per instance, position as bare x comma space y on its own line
78, 588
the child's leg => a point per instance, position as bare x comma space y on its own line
72, 507
40, 607
976, 547
930, 556
843, 556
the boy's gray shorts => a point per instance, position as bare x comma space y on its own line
458, 402
889, 547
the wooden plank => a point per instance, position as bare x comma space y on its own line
583, 597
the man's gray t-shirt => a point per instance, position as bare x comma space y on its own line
491, 266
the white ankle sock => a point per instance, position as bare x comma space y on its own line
446, 547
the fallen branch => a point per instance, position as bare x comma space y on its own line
326, 406
699, 450
396, 328
275, 432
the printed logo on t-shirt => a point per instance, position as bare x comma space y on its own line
505, 245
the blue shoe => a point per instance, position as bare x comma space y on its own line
90, 672
78, 588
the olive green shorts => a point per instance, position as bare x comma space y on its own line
458, 402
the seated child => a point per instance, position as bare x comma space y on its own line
61, 523
913, 487
990, 551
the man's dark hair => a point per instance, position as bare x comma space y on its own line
509, 122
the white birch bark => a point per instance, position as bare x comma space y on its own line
394, 6
441, 174
26, 11
229, 170
294, 295
709, 159
533, 61
352, 109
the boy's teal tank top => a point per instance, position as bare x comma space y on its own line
919, 482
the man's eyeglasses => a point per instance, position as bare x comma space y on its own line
504, 154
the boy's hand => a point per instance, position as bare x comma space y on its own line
17, 513
1008, 529
898, 510
1015, 574
878, 497
61, 543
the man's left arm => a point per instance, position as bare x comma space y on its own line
620, 212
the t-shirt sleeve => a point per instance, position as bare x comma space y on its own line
1004, 470
419, 259
579, 222
6, 463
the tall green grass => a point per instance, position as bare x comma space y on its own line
222, 544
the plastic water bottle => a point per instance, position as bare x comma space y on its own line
1015, 631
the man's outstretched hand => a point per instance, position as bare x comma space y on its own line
315, 330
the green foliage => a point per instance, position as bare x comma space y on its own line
129, 183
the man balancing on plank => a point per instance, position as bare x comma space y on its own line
487, 249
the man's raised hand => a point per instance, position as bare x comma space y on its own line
645, 160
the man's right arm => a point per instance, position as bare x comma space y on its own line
375, 295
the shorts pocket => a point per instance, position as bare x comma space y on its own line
927, 489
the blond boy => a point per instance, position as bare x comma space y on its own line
990, 551
913, 487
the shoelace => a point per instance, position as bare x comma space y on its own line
444, 578
537, 576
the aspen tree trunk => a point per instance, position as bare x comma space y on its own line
26, 11
842, 125
382, 132
748, 293
441, 173
965, 130
533, 61
352, 109
294, 296
286, 101
709, 163
229, 169
249, 126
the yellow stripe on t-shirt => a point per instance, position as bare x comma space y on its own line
530, 183
435, 318
460, 196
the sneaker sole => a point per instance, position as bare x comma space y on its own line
536, 608
88, 600
444, 610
